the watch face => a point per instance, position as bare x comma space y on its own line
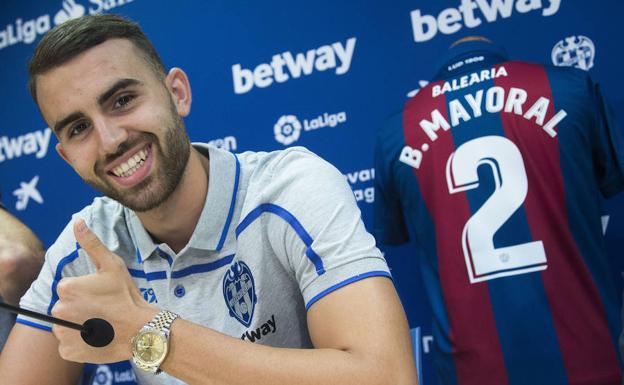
150, 346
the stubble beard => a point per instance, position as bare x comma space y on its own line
155, 188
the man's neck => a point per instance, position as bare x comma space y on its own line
174, 221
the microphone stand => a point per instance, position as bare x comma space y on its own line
95, 331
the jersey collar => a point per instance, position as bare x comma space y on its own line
213, 226
492, 54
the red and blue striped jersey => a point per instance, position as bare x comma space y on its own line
497, 170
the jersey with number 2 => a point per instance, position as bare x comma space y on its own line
498, 172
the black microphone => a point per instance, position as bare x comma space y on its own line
95, 331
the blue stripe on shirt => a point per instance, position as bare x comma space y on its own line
59, 275
232, 204
293, 222
359, 277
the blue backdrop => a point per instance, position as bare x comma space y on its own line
323, 74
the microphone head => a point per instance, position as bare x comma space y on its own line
97, 332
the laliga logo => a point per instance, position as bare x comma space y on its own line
26, 31
103, 376
287, 130
574, 51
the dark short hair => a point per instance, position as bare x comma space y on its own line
68, 40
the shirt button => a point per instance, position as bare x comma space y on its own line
179, 291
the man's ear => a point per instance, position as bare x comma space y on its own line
61, 152
180, 89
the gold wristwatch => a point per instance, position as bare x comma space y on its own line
151, 345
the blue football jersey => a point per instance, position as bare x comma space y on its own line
497, 169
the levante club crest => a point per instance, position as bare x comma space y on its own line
239, 292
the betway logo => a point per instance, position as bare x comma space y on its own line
451, 20
269, 327
285, 66
35, 142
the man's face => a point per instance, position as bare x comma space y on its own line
118, 123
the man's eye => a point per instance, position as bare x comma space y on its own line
123, 101
78, 128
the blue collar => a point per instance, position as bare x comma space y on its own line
492, 54
214, 222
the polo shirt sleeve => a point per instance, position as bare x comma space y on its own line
318, 230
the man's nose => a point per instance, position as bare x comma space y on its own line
111, 135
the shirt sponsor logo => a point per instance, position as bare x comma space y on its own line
361, 182
574, 51
26, 192
286, 66
269, 327
468, 80
288, 128
451, 20
27, 30
33, 143
239, 292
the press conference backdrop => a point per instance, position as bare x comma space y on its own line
322, 74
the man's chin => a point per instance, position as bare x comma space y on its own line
140, 198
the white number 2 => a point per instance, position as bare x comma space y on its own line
483, 260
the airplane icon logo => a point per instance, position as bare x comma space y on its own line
26, 192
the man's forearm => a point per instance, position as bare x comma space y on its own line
203, 356
346, 351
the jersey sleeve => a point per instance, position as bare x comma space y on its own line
609, 152
389, 224
318, 226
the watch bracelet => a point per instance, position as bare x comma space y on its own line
162, 321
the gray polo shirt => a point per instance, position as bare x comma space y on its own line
278, 231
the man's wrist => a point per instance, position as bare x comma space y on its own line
150, 346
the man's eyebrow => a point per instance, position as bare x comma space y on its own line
119, 85
58, 127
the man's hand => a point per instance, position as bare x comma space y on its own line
109, 294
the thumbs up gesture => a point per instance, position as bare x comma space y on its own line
109, 294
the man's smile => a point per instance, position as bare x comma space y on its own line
132, 167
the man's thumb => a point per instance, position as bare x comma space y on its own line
90, 243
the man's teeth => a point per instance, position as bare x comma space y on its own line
131, 165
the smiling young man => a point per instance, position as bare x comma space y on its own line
213, 268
